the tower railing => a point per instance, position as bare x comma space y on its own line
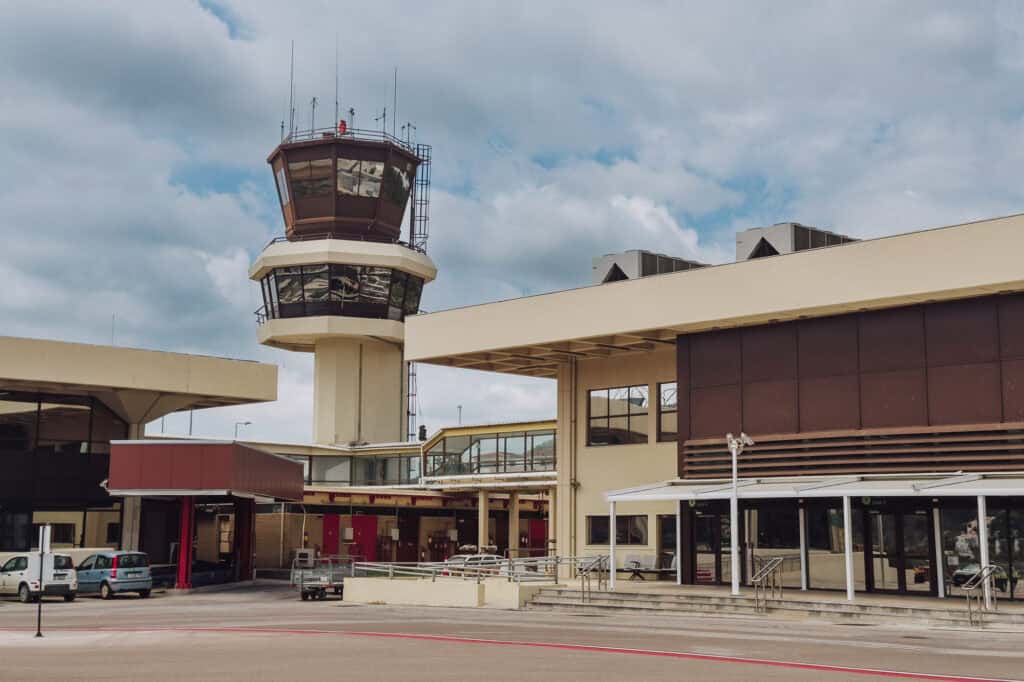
349, 134
346, 237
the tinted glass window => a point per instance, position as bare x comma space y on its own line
413, 291
395, 309
345, 284
132, 561
348, 176
103, 562
282, 186
373, 285
62, 563
369, 183
289, 285
397, 182
311, 178
87, 564
618, 415
316, 288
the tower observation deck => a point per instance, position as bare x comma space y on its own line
341, 280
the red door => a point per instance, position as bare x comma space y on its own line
538, 537
364, 536
332, 524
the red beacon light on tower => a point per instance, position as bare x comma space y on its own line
342, 127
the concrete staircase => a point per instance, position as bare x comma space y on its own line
795, 604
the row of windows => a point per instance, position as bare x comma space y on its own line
353, 177
618, 416
503, 453
350, 290
629, 530
355, 471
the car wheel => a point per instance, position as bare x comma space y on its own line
144, 594
24, 596
105, 591
70, 596
305, 596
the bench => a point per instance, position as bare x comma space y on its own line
639, 564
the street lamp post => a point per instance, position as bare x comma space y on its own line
237, 424
736, 446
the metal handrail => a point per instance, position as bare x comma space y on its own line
519, 570
767, 583
349, 134
974, 590
585, 570
304, 237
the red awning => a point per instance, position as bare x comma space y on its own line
201, 468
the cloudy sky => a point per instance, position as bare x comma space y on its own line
133, 136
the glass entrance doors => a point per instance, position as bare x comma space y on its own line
900, 543
708, 529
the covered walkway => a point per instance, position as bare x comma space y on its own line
904, 534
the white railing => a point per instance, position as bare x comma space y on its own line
767, 583
518, 570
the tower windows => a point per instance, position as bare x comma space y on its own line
359, 178
338, 289
310, 178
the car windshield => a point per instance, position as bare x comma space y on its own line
132, 561
61, 562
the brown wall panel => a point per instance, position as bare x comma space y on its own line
769, 352
965, 394
893, 398
769, 407
829, 403
714, 411
828, 346
1013, 390
1011, 326
715, 359
683, 390
891, 339
961, 332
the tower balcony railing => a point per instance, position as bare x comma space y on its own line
347, 237
349, 134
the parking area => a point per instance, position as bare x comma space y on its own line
265, 632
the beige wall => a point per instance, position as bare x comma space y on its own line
358, 394
602, 468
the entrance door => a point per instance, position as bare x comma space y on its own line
364, 536
901, 545
332, 526
708, 547
667, 542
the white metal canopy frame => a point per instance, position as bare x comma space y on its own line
956, 484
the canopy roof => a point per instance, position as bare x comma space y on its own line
936, 485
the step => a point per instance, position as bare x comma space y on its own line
610, 601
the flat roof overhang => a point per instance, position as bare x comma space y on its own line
201, 469
802, 487
531, 336
138, 385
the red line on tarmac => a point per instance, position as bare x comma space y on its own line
713, 658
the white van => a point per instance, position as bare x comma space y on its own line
19, 574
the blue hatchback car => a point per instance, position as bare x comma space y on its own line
113, 572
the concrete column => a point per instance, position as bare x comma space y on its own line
482, 526
983, 545
802, 520
553, 521
848, 546
611, 546
131, 507
513, 525
940, 574
679, 543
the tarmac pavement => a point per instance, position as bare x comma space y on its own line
266, 633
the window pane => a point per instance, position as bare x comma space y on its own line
315, 286
289, 287
369, 181
597, 530
273, 293
413, 291
599, 434
395, 309
348, 176
618, 431
599, 403
631, 530
638, 428
282, 186
542, 451
396, 183
311, 178
618, 401
332, 470
668, 399
345, 284
515, 452
412, 469
373, 287
488, 454
668, 426
638, 399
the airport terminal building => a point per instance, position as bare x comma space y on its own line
882, 382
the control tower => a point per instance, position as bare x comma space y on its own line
341, 281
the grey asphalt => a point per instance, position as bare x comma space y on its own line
266, 633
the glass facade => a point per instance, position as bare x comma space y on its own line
493, 453
349, 290
629, 530
359, 470
668, 408
618, 416
55, 451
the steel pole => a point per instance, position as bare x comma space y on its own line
734, 512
